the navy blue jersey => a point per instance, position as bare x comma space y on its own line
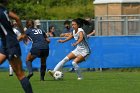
38, 37
8, 37
9, 43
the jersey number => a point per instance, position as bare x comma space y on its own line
37, 31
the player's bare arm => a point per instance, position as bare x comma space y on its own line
92, 33
22, 37
48, 40
68, 38
15, 17
79, 40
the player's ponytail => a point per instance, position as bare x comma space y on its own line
81, 22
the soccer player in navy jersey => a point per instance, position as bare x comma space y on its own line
40, 48
10, 48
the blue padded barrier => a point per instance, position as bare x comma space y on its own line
106, 52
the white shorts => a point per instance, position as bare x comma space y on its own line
77, 52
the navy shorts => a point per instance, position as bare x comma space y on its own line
39, 52
12, 52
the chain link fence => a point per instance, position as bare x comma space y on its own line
104, 25
58, 24
117, 25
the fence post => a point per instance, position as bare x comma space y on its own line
47, 23
126, 25
139, 24
96, 26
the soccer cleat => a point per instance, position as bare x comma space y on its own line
30, 75
42, 79
51, 73
71, 70
10, 74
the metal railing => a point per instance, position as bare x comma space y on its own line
104, 25
117, 25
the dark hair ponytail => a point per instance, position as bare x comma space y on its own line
81, 22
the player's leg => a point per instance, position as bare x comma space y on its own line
10, 70
43, 68
2, 58
17, 67
29, 60
75, 62
61, 63
43, 55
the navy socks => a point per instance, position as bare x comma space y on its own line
42, 72
26, 85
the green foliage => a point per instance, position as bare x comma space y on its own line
52, 9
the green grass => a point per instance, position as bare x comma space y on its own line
93, 82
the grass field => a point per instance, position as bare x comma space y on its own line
93, 82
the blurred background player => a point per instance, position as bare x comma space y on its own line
17, 32
10, 48
81, 51
26, 26
40, 48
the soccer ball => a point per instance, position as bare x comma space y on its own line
58, 75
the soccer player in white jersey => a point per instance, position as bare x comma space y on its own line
80, 52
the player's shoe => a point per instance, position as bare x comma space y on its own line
30, 75
71, 70
42, 79
10, 74
51, 73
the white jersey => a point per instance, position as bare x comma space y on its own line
82, 47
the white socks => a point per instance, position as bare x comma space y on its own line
60, 64
76, 67
77, 70
10, 70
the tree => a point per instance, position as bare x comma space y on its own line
51, 9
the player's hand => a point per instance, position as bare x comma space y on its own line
62, 35
61, 41
22, 37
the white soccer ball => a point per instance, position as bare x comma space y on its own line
58, 75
